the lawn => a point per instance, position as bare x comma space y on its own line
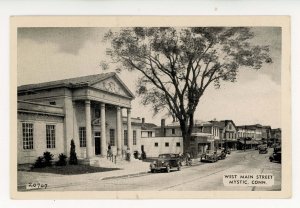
72, 169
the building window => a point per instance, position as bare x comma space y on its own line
50, 136
82, 137
149, 133
134, 137
177, 144
112, 137
166, 144
173, 131
27, 129
156, 144
125, 137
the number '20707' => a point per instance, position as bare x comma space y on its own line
36, 186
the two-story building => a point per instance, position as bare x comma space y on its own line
205, 135
228, 134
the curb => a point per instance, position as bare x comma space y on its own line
127, 175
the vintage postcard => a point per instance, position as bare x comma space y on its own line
140, 107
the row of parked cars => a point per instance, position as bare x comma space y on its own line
275, 156
168, 162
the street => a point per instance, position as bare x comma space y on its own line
202, 177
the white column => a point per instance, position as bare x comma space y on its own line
103, 130
119, 131
122, 131
129, 130
88, 127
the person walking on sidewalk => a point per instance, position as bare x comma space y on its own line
128, 155
109, 152
188, 159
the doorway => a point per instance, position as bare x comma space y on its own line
97, 136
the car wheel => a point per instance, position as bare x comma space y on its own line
152, 171
168, 169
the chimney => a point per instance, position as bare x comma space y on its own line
143, 120
162, 127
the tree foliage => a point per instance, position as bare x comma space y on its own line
178, 64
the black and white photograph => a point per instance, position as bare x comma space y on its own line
163, 108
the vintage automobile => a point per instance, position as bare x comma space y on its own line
227, 151
262, 149
221, 153
276, 156
166, 162
209, 156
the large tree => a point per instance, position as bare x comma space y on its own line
178, 64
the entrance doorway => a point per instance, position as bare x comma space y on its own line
97, 137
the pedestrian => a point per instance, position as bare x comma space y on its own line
188, 159
180, 158
109, 151
128, 154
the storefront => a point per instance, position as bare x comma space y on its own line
201, 142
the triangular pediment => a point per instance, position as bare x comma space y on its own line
113, 85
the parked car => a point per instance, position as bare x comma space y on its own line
209, 156
221, 154
276, 156
263, 149
166, 162
227, 151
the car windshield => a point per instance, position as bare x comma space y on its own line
167, 156
210, 151
164, 156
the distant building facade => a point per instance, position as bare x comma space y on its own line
276, 136
147, 129
228, 134
205, 135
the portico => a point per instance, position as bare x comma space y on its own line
104, 103
98, 128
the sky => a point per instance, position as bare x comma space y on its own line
47, 54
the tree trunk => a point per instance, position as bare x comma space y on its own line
186, 136
186, 143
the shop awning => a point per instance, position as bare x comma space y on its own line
249, 142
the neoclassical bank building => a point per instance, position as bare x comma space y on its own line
94, 111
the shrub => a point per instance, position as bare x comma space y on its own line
61, 160
39, 163
73, 157
48, 157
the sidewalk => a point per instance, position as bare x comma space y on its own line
57, 180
